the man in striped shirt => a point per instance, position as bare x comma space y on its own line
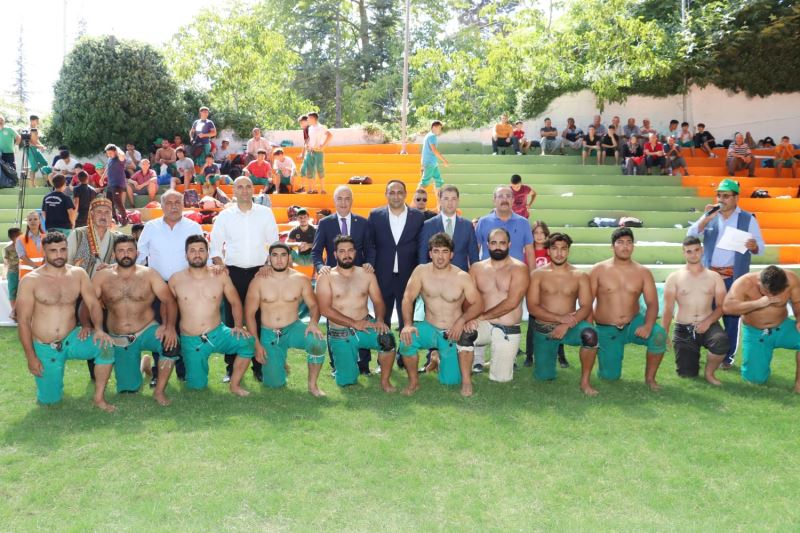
740, 156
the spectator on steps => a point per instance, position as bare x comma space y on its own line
610, 144
66, 166
599, 127
550, 140
647, 129
521, 194
704, 140
592, 142
223, 153
132, 159
685, 138
630, 129
83, 195
256, 143
740, 156
421, 203
572, 135
143, 181
285, 172
654, 155
58, 211
616, 124
675, 159
633, 157
165, 158
503, 136
519, 133
260, 171
184, 167
784, 157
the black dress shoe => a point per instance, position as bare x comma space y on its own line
364, 371
562, 362
259, 376
153, 383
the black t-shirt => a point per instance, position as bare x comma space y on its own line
544, 131
607, 139
55, 206
84, 194
307, 236
700, 138
629, 150
589, 141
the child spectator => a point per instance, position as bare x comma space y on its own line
185, 168
610, 144
592, 142
82, 196
260, 171
212, 191
686, 139
304, 235
58, 211
704, 140
521, 192
431, 157
210, 171
285, 172
519, 133
784, 156
11, 262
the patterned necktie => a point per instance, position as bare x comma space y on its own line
448, 228
344, 226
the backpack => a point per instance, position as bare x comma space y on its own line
630, 222
360, 180
760, 193
8, 176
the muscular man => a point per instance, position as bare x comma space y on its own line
127, 291
617, 284
451, 301
343, 296
502, 282
553, 293
50, 293
199, 292
278, 295
761, 301
700, 294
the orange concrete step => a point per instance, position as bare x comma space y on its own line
722, 171
705, 180
771, 205
746, 191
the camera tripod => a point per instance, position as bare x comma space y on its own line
23, 181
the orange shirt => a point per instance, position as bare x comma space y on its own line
503, 131
784, 152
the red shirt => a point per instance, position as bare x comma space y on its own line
520, 205
650, 148
519, 134
542, 257
260, 170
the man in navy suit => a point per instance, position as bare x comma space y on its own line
343, 222
459, 229
394, 231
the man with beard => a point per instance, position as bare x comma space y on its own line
552, 295
50, 294
343, 296
277, 295
700, 294
127, 291
451, 301
617, 284
199, 293
502, 282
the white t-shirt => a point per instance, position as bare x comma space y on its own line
184, 164
286, 167
62, 167
316, 135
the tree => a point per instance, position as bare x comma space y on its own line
21, 79
116, 91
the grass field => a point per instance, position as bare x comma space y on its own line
517, 456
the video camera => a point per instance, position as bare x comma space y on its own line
25, 137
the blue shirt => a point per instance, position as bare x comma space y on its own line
428, 157
724, 258
115, 172
203, 126
517, 227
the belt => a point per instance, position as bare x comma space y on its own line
343, 333
543, 327
508, 330
129, 337
725, 272
247, 269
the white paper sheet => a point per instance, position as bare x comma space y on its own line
734, 239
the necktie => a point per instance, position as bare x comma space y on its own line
448, 227
344, 226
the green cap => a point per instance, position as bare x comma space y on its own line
728, 185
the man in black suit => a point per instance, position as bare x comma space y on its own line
394, 231
459, 229
343, 222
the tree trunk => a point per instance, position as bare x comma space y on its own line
363, 36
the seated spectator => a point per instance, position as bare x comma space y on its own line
550, 140
630, 129
592, 142
599, 127
672, 131
143, 181
784, 157
58, 211
749, 141
164, 160
82, 196
654, 155
421, 203
646, 128
212, 191
304, 235
210, 171
132, 159
766, 142
572, 135
675, 158
223, 154
633, 157
610, 144
285, 172
260, 171
740, 156
521, 192
256, 143
519, 133
184, 167
503, 136
58, 155
616, 124
685, 138
704, 140
177, 142
66, 166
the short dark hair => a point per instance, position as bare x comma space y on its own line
540, 224
302, 118
621, 232
774, 279
785, 138
13, 233
281, 246
449, 188
516, 178
440, 240
701, 125
684, 124
691, 241
63, 154
181, 150
495, 230
59, 180
261, 151
137, 227
207, 156
191, 239
673, 121
436, 123
34, 117
547, 118
122, 239
343, 238
53, 237
313, 114
396, 181
558, 237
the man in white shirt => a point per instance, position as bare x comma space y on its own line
162, 248
64, 166
240, 241
318, 138
256, 143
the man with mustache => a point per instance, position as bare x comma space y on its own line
127, 291
50, 294
343, 296
517, 227
277, 295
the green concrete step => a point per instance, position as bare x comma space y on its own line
667, 254
580, 218
587, 202
527, 159
543, 168
587, 235
620, 181
597, 190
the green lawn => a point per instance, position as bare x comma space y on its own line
518, 456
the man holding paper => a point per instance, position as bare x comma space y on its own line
731, 237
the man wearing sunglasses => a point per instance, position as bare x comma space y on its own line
728, 264
421, 203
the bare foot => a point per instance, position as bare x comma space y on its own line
433, 366
655, 387
711, 378
287, 368
411, 389
161, 398
105, 406
387, 387
466, 390
238, 391
588, 390
316, 392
